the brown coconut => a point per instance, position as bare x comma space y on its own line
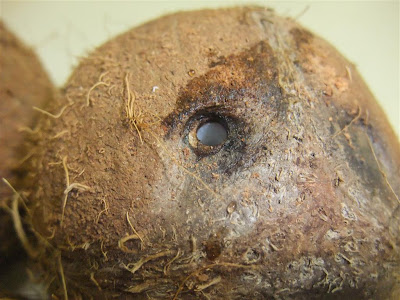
299, 201
23, 84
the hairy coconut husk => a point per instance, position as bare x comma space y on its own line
299, 202
23, 84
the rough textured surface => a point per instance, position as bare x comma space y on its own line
23, 84
300, 202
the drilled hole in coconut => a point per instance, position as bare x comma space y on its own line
212, 133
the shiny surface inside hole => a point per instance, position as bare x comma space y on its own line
212, 133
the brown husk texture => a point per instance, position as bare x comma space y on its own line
299, 203
23, 84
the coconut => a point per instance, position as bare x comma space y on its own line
23, 84
217, 154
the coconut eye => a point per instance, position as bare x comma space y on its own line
212, 133
207, 133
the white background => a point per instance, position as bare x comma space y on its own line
366, 32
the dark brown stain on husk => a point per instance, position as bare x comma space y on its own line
213, 249
230, 90
252, 73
